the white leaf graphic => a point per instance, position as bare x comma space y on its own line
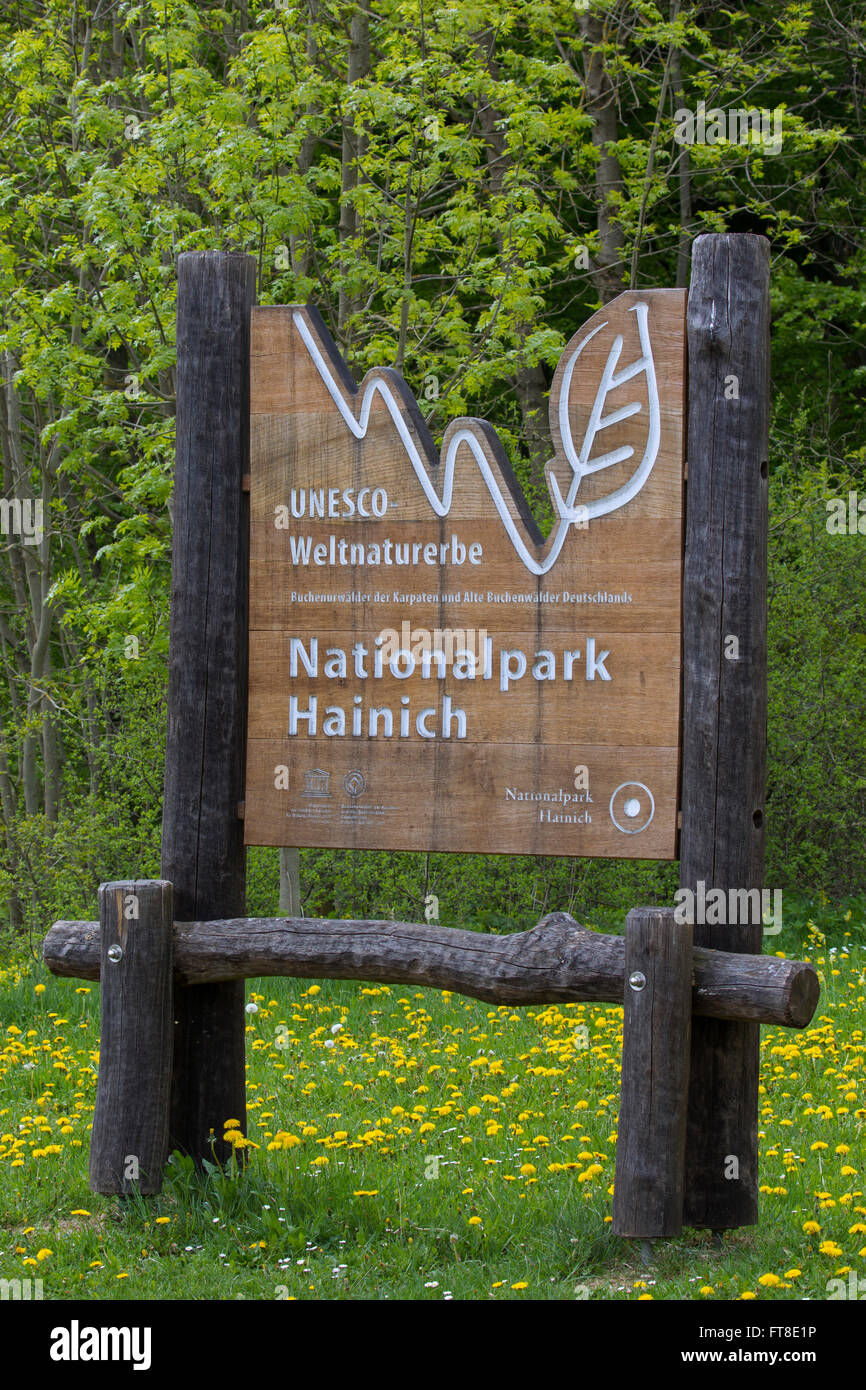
582, 463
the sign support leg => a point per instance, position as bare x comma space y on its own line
129, 1141
202, 836
725, 693
651, 1134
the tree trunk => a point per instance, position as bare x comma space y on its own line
300, 247
530, 383
290, 883
684, 184
352, 153
609, 269
50, 752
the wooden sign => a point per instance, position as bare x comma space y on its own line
427, 671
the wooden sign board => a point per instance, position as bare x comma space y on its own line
426, 670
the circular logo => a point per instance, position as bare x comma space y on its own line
355, 782
632, 807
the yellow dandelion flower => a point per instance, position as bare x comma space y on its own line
770, 1281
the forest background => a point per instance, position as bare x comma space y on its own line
456, 187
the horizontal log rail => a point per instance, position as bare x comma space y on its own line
558, 961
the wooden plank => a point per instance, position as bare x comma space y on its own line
442, 550
651, 1133
283, 600
724, 724
129, 1141
202, 837
645, 677
557, 960
340, 793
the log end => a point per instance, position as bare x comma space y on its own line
71, 950
805, 991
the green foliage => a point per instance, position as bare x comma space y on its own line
431, 186
491, 893
52, 869
816, 794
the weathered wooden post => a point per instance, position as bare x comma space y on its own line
129, 1142
724, 690
202, 836
657, 1023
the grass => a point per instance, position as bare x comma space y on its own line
413, 1144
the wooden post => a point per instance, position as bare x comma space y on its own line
129, 1142
202, 835
724, 690
650, 1147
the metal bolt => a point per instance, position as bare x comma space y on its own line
115, 954
637, 980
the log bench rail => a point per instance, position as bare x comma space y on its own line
145, 961
557, 961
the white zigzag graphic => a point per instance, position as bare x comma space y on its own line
582, 464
